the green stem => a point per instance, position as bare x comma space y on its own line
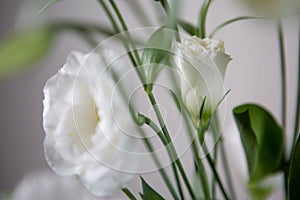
161, 169
169, 140
297, 113
125, 28
201, 169
118, 30
283, 93
154, 127
136, 118
202, 19
215, 158
224, 158
219, 27
215, 172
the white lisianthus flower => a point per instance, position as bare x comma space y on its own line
202, 64
86, 123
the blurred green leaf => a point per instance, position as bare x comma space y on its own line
20, 50
189, 28
262, 140
156, 53
149, 193
294, 175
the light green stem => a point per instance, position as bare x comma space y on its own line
154, 127
202, 19
214, 170
216, 128
169, 140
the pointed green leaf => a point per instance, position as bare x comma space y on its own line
294, 175
128, 193
156, 53
149, 193
20, 50
262, 139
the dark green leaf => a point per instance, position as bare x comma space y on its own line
128, 193
262, 140
156, 53
20, 50
149, 193
189, 28
294, 176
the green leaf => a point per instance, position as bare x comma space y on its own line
294, 174
156, 53
128, 193
189, 28
19, 51
149, 193
262, 139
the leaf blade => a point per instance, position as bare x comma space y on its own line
149, 193
262, 139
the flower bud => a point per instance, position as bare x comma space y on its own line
202, 64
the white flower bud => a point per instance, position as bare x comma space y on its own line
202, 64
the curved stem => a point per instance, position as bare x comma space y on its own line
202, 19
219, 27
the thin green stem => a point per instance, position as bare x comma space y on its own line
125, 28
118, 30
214, 170
283, 93
199, 164
169, 140
215, 158
219, 27
297, 111
161, 169
215, 126
202, 18
154, 127
147, 142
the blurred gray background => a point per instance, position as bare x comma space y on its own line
252, 76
